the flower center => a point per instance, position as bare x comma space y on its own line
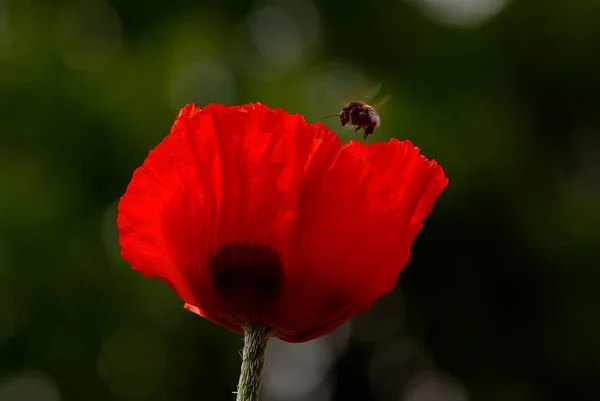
248, 279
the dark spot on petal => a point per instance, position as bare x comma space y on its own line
248, 280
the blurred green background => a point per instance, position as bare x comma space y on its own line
500, 300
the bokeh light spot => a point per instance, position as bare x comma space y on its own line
277, 35
294, 371
5, 31
277, 38
405, 358
322, 392
461, 12
434, 386
88, 35
30, 387
202, 82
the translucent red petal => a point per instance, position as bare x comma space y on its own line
337, 220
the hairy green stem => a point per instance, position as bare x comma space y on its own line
253, 361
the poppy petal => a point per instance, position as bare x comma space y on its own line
168, 212
353, 227
254, 216
264, 154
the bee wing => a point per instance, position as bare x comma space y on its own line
334, 93
342, 86
373, 92
381, 101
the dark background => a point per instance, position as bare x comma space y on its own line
500, 300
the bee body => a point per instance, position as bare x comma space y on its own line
360, 115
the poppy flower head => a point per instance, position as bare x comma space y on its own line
255, 217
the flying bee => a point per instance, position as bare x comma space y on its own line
361, 115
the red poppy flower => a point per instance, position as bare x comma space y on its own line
255, 217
